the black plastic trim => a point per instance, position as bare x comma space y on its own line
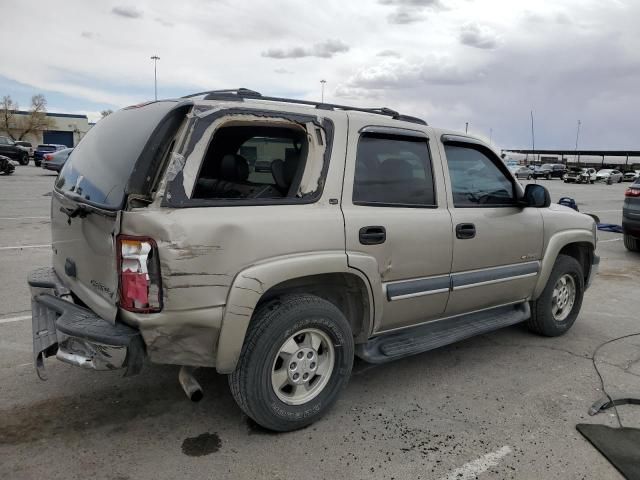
490, 274
422, 285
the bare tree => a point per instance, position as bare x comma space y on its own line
9, 108
104, 113
18, 126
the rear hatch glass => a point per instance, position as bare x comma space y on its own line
46, 148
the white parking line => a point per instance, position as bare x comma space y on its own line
15, 319
24, 218
607, 211
480, 465
20, 247
610, 240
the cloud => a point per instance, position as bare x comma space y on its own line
325, 49
412, 3
282, 71
473, 35
388, 53
88, 35
403, 17
126, 12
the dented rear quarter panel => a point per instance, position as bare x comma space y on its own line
205, 254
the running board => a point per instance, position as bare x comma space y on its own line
438, 333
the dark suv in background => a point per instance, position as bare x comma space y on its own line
549, 171
631, 217
8, 148
41, 150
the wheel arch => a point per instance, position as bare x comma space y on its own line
574, 243
326, 275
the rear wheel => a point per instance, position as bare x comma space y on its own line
548, 176
631, 243
555, 311
37, 163
24, 158
296, 359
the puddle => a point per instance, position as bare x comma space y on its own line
201, 445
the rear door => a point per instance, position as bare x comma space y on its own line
90, 193
396, 219
497, 244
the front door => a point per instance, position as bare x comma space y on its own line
397, 226
497, 244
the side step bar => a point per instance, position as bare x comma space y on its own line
438, 333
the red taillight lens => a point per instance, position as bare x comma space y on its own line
47, 156
632, 192
139, 270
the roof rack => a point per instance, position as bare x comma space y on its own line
239, 94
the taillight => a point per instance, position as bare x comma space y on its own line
47, 156
139, 270
632, 192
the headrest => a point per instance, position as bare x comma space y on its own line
234, 168
396, 169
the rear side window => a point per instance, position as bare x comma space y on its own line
476, 180
245, 162
393, 171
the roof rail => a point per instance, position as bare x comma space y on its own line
239, 94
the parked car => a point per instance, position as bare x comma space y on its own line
26, 146
609, 175
631, 175
45, 148
580, 175
6, 166
56, 160
8, 148
631, 217
549, 171
279, 280
520, 172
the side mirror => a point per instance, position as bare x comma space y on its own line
536, 196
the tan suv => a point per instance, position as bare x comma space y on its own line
274, 239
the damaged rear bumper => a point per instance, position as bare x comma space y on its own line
75, 334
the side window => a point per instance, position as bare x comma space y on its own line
476, 180
393, 171
244, 162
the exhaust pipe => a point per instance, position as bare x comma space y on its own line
189, 383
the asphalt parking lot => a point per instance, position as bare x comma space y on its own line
502, 405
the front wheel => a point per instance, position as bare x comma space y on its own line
555, 311
529, 177
295, 361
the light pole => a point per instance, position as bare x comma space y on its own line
490, 136
155, 59
322, 82
577, 136
466, 127
533, 139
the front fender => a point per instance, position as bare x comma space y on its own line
252, 283
556, 243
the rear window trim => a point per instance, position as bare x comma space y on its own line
175, 197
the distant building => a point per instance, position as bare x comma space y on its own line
622, 159
66, 129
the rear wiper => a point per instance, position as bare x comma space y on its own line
80, 210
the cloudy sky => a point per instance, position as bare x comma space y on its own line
486, 62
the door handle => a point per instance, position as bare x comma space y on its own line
373, 235
465, 230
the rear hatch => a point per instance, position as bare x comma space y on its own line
113, 160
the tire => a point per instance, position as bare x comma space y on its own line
529, 177
37, 163
542, 319
548, 176
292, 318
23, 159
631, 243
620, 180
592, 182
